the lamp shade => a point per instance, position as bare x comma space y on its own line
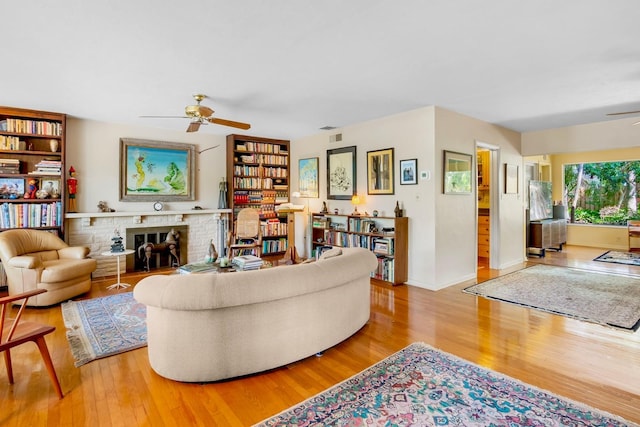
355, 200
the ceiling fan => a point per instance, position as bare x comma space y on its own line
202, 115
626, 112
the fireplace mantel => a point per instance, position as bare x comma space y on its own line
95, 230
137, 216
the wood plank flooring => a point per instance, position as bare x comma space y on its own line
596, 365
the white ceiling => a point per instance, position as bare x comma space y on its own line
289, 67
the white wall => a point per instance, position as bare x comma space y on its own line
456, 216
442, 229
588, 137
93, 149
410, 134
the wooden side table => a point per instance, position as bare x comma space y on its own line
126, 252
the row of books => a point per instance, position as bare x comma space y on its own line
274, 245
23, 215
11, 143
36, 127
246, 183
10, 166
260, 146
246, 262
360, 225
260, 171
267, 159
384, 270
382, 246
273, 227
265, 211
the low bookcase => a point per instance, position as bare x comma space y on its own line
386, 237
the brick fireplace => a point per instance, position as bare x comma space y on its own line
95, 231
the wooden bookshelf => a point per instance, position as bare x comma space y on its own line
386, 237
258, 177
32, 152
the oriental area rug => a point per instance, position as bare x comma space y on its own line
423, 386
597, 297
628, 258
102, 327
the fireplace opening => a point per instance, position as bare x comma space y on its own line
157, 247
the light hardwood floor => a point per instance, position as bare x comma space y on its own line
596, 365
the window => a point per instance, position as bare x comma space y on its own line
602, 193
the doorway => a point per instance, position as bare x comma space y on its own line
488, 159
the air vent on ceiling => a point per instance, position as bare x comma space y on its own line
335, 138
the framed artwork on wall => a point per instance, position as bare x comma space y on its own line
457, 173
156, 171
409, 172
380, 171
341, 173
510, 179
308, 182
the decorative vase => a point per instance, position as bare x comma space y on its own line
397, 210
53, 144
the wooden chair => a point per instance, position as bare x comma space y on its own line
14, 333
633, 231
247, 233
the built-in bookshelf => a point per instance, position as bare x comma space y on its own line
258, 177
32, 157
386, 237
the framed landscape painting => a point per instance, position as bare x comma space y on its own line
341, 173
409, 172
457, 173
308, 184
156, 171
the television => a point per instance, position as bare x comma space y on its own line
540, 202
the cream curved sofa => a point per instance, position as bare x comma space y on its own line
37, 259
208, 327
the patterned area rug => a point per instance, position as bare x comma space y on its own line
606, 299
422, 386
102, 327
616, 257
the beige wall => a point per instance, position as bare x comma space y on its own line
93, 149
456, 216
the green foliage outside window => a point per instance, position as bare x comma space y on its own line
602, 193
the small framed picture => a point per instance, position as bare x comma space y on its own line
11, 188
51, 186
409, 172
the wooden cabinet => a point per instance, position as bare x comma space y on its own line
387, 237
32, 164
548, 234
484, 236
258, 177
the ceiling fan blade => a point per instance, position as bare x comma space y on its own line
164, 117
230, 123
624, 112
635, 124
193, 127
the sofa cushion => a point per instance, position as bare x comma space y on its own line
66, 269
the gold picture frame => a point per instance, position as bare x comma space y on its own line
380, 177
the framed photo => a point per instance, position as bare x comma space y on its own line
308, 183
156, 171
380, 171
51, 186
457, 173
341, 173
510, 179
11, 188
409, 172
